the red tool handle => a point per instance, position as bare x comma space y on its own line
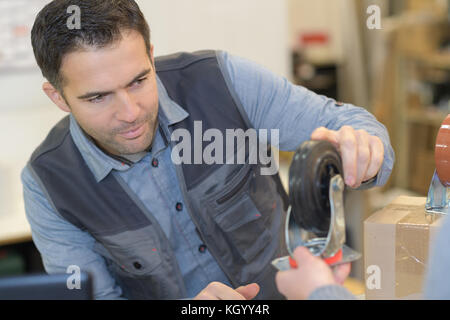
336, 258
330, 260
292, 263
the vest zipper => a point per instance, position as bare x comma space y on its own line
235, 190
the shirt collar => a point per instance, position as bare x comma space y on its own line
101, 164
169, 111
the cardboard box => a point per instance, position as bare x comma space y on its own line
396, 245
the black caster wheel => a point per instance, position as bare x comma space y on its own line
313, 165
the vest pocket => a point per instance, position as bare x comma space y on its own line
139, 270
132, 260
243, 226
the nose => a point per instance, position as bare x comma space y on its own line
128, 109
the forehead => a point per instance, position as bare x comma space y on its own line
105, 68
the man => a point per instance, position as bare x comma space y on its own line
103, 191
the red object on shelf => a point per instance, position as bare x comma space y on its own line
314, 38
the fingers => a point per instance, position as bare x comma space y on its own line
249, 291
377, 156
224, 292
285, 280
349, 152
362, 154
311, 273
341, 272
302, 255
323, 133
219, 291
206, 295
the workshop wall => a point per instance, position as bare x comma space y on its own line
255, 29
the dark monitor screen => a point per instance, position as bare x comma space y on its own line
45, 287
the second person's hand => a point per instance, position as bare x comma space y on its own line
311, 273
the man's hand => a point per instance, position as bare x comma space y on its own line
362, 154
311, 273
220, 291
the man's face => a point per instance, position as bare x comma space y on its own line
112, 93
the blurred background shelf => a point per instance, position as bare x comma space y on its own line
439, 60
421, 95
430, 116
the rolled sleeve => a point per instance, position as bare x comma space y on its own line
272, 102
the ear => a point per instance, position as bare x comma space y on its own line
55, 96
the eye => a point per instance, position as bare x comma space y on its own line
138, 82
97, 99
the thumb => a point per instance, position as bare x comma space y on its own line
301, 254
341, 272
323, 133
249, 291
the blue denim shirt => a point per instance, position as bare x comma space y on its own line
271, 102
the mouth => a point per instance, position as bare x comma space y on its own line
133, 133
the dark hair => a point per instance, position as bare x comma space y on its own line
102, 22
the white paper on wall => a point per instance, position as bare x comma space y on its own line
16, 21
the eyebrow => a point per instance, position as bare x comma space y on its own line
104, 93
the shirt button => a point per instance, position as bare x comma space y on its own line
155, 163
202, 248
179, 206
137, 265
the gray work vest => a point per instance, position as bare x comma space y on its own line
238, 212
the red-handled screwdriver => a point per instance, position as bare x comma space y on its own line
330, 260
